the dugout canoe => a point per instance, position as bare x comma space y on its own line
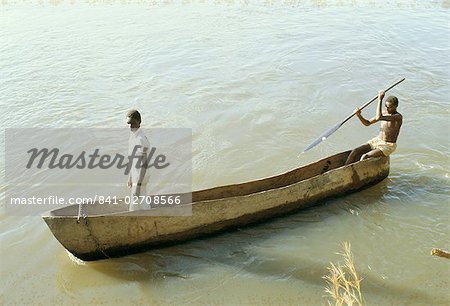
112, 231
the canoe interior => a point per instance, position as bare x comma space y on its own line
274, 182
234, 190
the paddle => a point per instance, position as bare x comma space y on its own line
334, 128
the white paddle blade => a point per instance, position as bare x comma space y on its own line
323, 136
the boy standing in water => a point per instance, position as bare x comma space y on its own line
385, 142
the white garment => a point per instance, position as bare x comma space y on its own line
139, 175
138, 138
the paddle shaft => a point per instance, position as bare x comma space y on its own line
373, 99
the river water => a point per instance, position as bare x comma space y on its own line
256, 82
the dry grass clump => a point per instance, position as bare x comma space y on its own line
343, 283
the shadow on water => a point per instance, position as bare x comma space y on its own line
233, 251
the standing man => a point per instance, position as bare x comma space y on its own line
138, 178
385, 142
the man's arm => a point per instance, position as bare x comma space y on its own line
380, 105
142, 167
362, 119
378, 114
395, 118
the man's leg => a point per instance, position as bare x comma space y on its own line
138, 190
356, 154
134, 200
373, 153
138, 194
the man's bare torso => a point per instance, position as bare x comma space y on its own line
390, 126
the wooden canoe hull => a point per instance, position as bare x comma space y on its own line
106, 235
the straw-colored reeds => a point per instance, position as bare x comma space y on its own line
343, 282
